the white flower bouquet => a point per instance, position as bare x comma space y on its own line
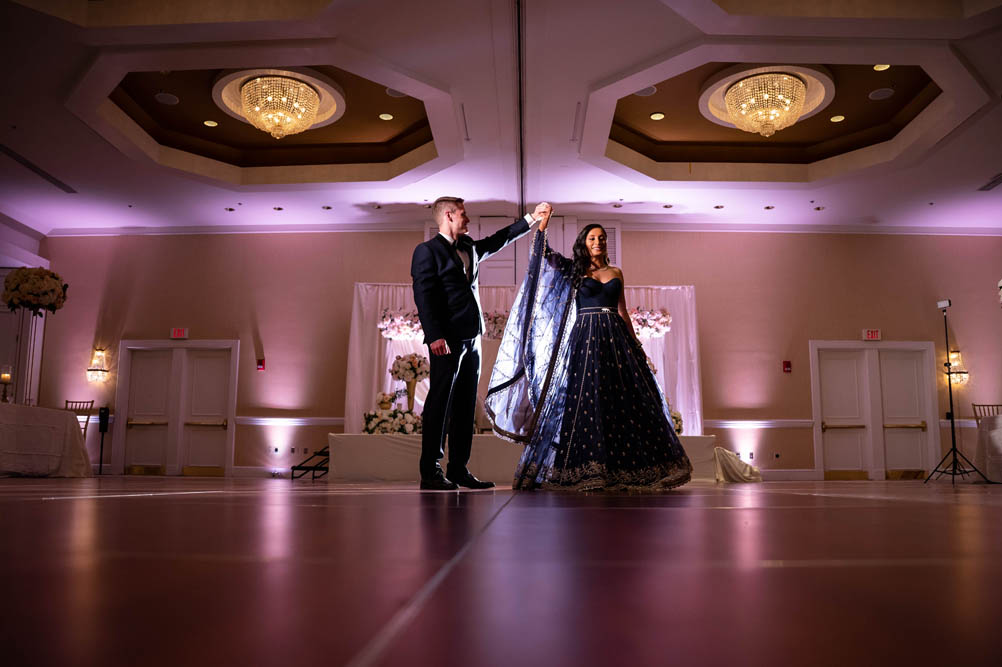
676, 418
391, 421
400, 325
383, 398
35, 289
494, 322
410, 367
650, 323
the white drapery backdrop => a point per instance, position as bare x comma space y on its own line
675, 356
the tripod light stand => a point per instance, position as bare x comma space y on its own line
954, 467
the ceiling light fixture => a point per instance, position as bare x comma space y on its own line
209, 123
769, 208
385, 116
837, 119
279, 105
719, 206
881, 68
657, 116
765, 103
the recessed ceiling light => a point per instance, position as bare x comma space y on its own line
657, 116
326, 208
395, 93
209, 123
617, 205
770, 207
932, 203
385, 116
166, 98
646, 92
819, 208
881, 68
837, 119
277, 208
719, 206
667, 206
377, 206
881, 93
230, 209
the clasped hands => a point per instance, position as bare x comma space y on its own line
542, 214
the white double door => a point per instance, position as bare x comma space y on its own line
875, 412
178, 410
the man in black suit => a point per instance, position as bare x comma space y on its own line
445, 271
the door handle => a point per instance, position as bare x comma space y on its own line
138, 422
922, 425
828, 427
223, 424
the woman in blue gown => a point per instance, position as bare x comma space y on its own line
572, 382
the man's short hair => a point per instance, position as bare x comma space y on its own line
443, 204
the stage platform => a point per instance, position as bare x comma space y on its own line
359, 457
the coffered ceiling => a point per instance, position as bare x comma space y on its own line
88, 149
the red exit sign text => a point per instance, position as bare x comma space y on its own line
178, 332
871, 334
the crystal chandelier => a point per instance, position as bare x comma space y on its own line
765, 103
279, 105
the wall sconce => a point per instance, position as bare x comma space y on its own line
958, 375
98, 371
6, 378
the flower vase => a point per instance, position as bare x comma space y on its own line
411, 387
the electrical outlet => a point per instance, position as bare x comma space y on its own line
776, 455
306, 450
293, 451
751, 455
276, 450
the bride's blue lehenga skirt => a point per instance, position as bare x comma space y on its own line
616, 432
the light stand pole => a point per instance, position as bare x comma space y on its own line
954, 467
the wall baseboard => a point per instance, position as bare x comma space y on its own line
791, 475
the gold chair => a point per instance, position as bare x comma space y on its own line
985, 410
81, 409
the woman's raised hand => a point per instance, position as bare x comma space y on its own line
542, 214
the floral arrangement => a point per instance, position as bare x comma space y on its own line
494, 322
384, 398
410, 367
391, 421
400, 325
35, 289
676, 418
650, 323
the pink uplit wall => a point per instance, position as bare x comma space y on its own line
760, 299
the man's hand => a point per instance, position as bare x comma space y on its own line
439, 347
542, 214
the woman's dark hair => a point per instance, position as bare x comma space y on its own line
582, 258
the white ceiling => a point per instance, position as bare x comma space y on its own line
575, 50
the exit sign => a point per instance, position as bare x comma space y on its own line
178, 332
871, 334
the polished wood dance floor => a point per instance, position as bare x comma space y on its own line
160, 571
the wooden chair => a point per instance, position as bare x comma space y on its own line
985, 410
81, 409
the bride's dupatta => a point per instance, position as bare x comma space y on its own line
525, 399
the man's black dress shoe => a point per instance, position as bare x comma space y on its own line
437, 483
467, 479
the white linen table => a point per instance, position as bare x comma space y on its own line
41, 442
359, 457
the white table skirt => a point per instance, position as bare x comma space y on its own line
359, 457
41, 442
988, 456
